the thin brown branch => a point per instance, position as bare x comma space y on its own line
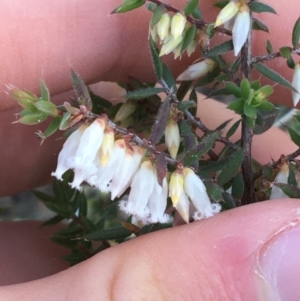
288, 158
200, 24
247, 132
271, 56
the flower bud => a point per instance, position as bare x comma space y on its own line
296, 84
163, 26
172, 137
240, 29
170, 45
125, 110
197, 70
228, 12
183, 207
153, 34
177, 25
176, 186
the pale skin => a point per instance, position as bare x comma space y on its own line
42, 40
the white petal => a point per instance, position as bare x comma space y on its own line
170, 45
228, 12
68, 151
296, 84
158, 203
90, 143
141, 189
240, 30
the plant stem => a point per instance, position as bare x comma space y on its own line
247, 132
268, 57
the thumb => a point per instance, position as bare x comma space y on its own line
249, 253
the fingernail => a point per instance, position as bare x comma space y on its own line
280, 266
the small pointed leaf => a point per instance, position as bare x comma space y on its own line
140, 94
47, 107
157, 13
294, 135
233, 129
157, 63
290, 190
190, 7
296, 33
189, 36
219, 49
160, 121
274, 76
259, 7
128, 5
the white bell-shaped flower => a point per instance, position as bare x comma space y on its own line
196, 191
141, 188
296, 84
107, 145
121, 181
105, 174
170, 45
241, 29
158, 203
68, 152
90, 143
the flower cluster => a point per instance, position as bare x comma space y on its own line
235, 16
170, 32
115, 165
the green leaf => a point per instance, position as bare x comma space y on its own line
265, 105
285, 51
290, 62
233, 129
160, 121
183, 89
33, 118
237, 106
156, 60
151, 6
199, 150
296, 33
259, 25
274, 76
294, 135
255, 85
53, 127
231, 167
223, 125
235, 66
185, 105
229, 202
115, 233
157, 13
233, 89
188, 139
169, 78
81, 90
189, 36
44, 197
99, 103
64, 123
190, 7
214, 191
259, 7
197, 14
249, 111
221, 4
290, 190
219, 49
291, 178
210, 77
47, 107
145, 93
245, 88
237, 186
269, 47
52, 221
128, 5
44, 91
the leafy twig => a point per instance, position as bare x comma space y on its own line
268, 57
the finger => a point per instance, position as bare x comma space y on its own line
27, 253
208, 260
